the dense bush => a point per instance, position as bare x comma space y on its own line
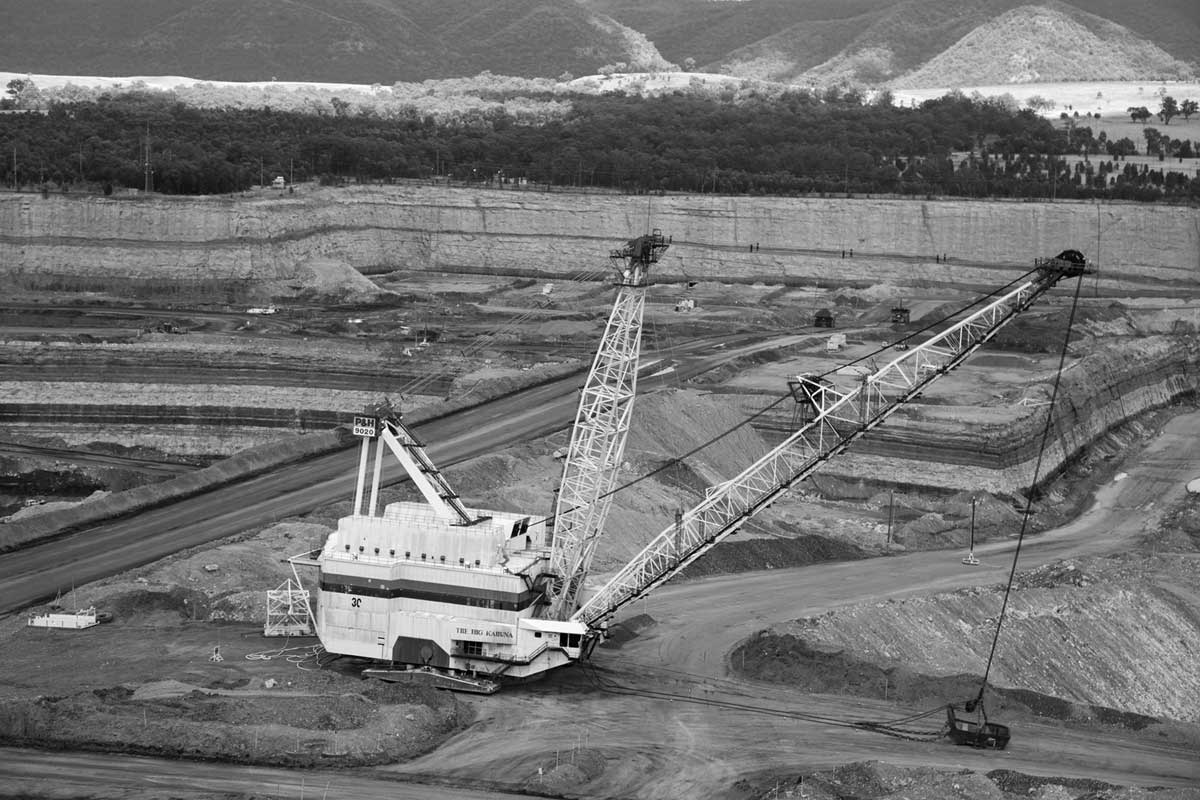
790, 143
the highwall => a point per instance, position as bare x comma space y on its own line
269, 236
1102, 392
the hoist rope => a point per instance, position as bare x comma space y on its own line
1062, 358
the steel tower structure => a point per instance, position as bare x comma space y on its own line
601, 428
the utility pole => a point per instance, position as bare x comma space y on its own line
846, 163
146, 163
973, 499
891, 505
260, 173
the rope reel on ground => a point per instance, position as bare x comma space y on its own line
297, 655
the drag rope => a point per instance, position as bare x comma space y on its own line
602, 682
1062, 358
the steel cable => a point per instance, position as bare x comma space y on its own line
1062, 358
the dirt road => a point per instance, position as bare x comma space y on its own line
713, 729
38, 572
23, 773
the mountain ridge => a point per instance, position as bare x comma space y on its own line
818, 42
1038, 41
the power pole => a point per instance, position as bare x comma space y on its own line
846, 170
146, 163
891, 504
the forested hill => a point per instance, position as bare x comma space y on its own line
862, 42
872, 42
333, 41
795, 143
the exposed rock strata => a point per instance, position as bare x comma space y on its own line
1095, 632
272, 238
1105, 390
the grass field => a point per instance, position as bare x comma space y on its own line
1119, 125
1110, 100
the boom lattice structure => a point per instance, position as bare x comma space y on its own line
601, 428
833, 418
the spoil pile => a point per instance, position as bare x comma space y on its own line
1102, 633
876, 780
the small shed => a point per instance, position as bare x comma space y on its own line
900, 314
835, 342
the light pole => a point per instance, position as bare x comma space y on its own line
1112, 220
148, 170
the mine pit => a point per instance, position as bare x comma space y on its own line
851, 589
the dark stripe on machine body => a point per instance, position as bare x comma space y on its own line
430, 592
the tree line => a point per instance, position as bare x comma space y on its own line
796, 142
1168, 109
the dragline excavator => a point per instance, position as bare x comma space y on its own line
460, 598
